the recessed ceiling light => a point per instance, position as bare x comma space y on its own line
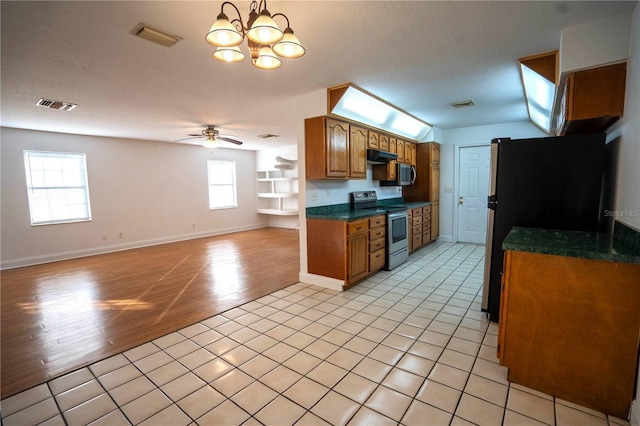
463, 104
268, 136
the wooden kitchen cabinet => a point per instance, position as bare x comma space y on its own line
384, 171
427, 185
384, 143
329, 151
419, 227
377, 243
410, 152
592, 100
373, 140
400, 150
357, 251
569, 327
342, 250
393, 145
358, 152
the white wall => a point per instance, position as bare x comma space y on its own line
266, 160
600, 42
152, 192
466, 136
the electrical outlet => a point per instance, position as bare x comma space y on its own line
314, 197
193, 226
104, 237
328, 194
120, 235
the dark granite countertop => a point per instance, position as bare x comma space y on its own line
587, 245
343, 211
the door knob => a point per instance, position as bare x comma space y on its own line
461, 201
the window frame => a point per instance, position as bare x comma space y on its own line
28, 155
233, 184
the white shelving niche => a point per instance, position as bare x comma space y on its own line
277, 192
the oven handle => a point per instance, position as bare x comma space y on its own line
396, 215
414, 175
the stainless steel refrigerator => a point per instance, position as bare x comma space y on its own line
552, 183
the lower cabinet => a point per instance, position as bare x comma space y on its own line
569, 328
377, 243
357, 250
347, 251
419, 227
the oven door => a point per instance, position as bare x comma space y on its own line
398, 231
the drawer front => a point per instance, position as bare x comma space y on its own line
376, 221
376, 260
417, 211
426, 218
426, 236
377, 233
416, 230
358, 226
417, 220
417, 240
426, 210
376, 245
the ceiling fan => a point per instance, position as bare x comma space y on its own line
211, 135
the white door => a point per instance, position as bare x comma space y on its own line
475, 163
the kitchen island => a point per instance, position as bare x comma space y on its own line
570, 315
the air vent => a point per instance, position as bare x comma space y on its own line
157, 36
463, 104
268, 136
62, 106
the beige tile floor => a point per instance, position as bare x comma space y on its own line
408, 346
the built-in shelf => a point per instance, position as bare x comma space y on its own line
277, 192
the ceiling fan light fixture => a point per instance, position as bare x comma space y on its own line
210, 143
229, 54
289, 46
267, 60
265, 30
223, 33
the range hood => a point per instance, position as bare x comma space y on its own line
375, 156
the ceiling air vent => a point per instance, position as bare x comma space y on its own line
152, 34
463, 104
62, 106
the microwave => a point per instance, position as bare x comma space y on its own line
405, 175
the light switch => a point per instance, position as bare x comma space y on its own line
448, 189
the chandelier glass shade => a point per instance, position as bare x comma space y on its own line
266, 41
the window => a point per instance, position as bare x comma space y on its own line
222, 184
57, 187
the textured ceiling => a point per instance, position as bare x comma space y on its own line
418, 55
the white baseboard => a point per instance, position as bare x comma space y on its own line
74, 254
321, 281
445, 238
635, 413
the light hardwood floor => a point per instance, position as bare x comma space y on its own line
61, 316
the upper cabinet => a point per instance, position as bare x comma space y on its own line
335, 149
592, 100
358, 152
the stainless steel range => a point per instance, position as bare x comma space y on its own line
397, 247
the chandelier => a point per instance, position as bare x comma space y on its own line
267, 42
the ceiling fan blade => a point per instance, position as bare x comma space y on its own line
195, 134
192, 137
237, 142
